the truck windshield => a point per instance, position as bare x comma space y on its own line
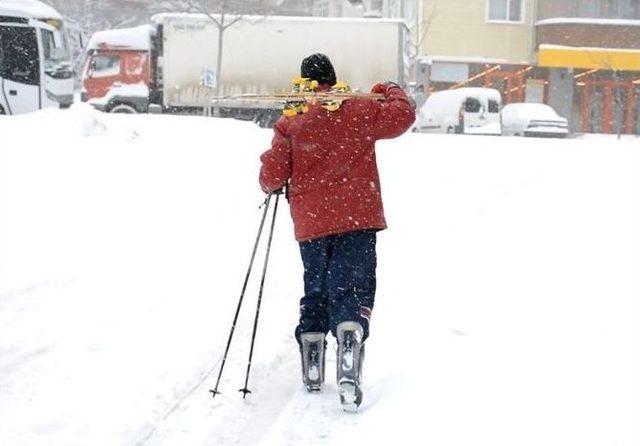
104, 65
56, 51
19, 55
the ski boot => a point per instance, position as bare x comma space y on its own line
349, 364
313, 355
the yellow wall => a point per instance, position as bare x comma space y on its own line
458, 28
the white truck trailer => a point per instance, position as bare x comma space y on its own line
261, 55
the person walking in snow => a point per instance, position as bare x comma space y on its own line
327, 159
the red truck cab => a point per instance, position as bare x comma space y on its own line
117, 73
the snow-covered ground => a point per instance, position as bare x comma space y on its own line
507, 312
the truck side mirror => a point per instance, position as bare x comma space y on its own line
92, 68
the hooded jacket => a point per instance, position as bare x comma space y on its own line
328, 158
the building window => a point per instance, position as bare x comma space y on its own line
505, 10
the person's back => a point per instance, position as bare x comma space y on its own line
327, 159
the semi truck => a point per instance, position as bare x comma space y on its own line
170, 65
36, 69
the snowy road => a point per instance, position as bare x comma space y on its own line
508, 306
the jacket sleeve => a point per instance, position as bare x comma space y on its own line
276, 162
396, 114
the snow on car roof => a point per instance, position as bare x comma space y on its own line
138, 38
28, 8
530, 110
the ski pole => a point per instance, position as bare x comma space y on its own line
245, 389
215, 392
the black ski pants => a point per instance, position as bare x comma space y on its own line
339, 281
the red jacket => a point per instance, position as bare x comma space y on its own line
330, 162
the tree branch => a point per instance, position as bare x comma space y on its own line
426, 25
196, 5
233, 22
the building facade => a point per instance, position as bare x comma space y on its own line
591, 49
582, 57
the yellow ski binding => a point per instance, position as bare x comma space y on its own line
341, 87
331, 105
295, 108
335, 104
304, 85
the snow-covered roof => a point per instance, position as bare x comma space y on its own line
28, 8
472, 59
158, 18
138, 38
548, 46
580, 21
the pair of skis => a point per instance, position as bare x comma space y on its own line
293, 104
305, 92
306, 96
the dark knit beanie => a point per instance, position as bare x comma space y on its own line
318, 67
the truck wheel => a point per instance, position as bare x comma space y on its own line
123, 108
2, 111
263, 120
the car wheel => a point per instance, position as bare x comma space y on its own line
450, 130
2, 111
123, 108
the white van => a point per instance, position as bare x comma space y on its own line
35, 60
473, 111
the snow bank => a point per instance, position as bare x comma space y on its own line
28, 8
138, 38
507, 308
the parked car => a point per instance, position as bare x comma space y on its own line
463, 110
529, 119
